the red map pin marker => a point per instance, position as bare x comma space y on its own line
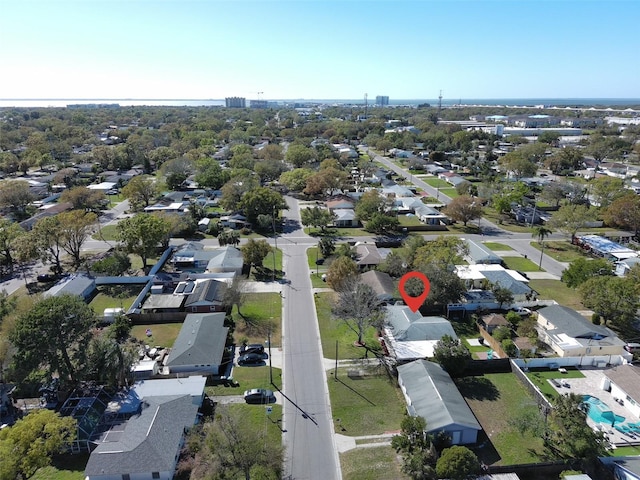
414, 303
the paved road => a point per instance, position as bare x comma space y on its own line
311, 452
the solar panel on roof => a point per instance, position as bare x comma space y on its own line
189, 287
180, 288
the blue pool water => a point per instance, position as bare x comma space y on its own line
600, 412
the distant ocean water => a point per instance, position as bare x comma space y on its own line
508, 102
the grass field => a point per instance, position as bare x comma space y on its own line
262, 313
247, 378
376, 463
66, 467
558, 291
497, 399
316, 280
436, 182
367, 405
108, 233
102, 301
540, 379
495, 246
162, 334
561, 251
333, 330
521, 264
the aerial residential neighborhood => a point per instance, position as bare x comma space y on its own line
174, 277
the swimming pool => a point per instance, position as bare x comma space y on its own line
600, 412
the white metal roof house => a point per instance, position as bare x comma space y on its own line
145, 438
431, 394
570, 334
409, 335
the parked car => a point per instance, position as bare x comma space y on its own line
259, 395
252, 348
250, 359
47, 277
522, 311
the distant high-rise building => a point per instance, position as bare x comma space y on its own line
235, 102
258, 104
382, 100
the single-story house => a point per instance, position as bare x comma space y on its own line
569, 334
199, 348
409, 335
481, 275
431, 394
152, 419
381, 283
603, 247
225, 259
625, 384
430, 215
339, 202
478, 253
76, 284
345, 217
235, 221
524, 343
492, 321
207, 296
368, 255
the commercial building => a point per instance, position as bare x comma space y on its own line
235, 102
382, 100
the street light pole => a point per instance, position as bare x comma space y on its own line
275, 239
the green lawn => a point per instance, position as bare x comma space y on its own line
163, 334
450, 192
540, 379
65, 467
316, 280
108, 233
247, 378
496, 399
261, 313
558, 291
521, 264
495, 246
262, 420
626, 451
509, 224
436, 182
409, 221
368, 405
102, 301
332, 330
375, 463
561, 251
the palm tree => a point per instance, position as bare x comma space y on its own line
541, 232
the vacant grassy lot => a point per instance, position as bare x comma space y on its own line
540, 379
558, 291
521, 264
495, 246
497, 399
333, 330
247, 378
261, 314
162, 334
436, 182
561, 251
378, 463
66, 467
367, 405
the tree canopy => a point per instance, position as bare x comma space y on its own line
32, 441
464, 209
54, 335
457, 463
452, 355
142, 234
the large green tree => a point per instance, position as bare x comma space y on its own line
142, 234
419, 455
605, 190
232, 447
11, 235
615, 299
140, 191
46, 236
624, 212
340, 270
262, 201
75, 228
464, 209
211, 174
254, 252
296, 179
571, 218
582, 269
15, 195
370, 202
31, 443
457, 463
82, 198
452, 355
54, 335
299, 155
568, 435
316, 217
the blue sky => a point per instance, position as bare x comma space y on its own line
319, 49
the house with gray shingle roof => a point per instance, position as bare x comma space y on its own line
625, 383
144, 438
479, 254
200, 345
381, 283
207, 296
368, 255
345, 217
570, 334
431, 394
